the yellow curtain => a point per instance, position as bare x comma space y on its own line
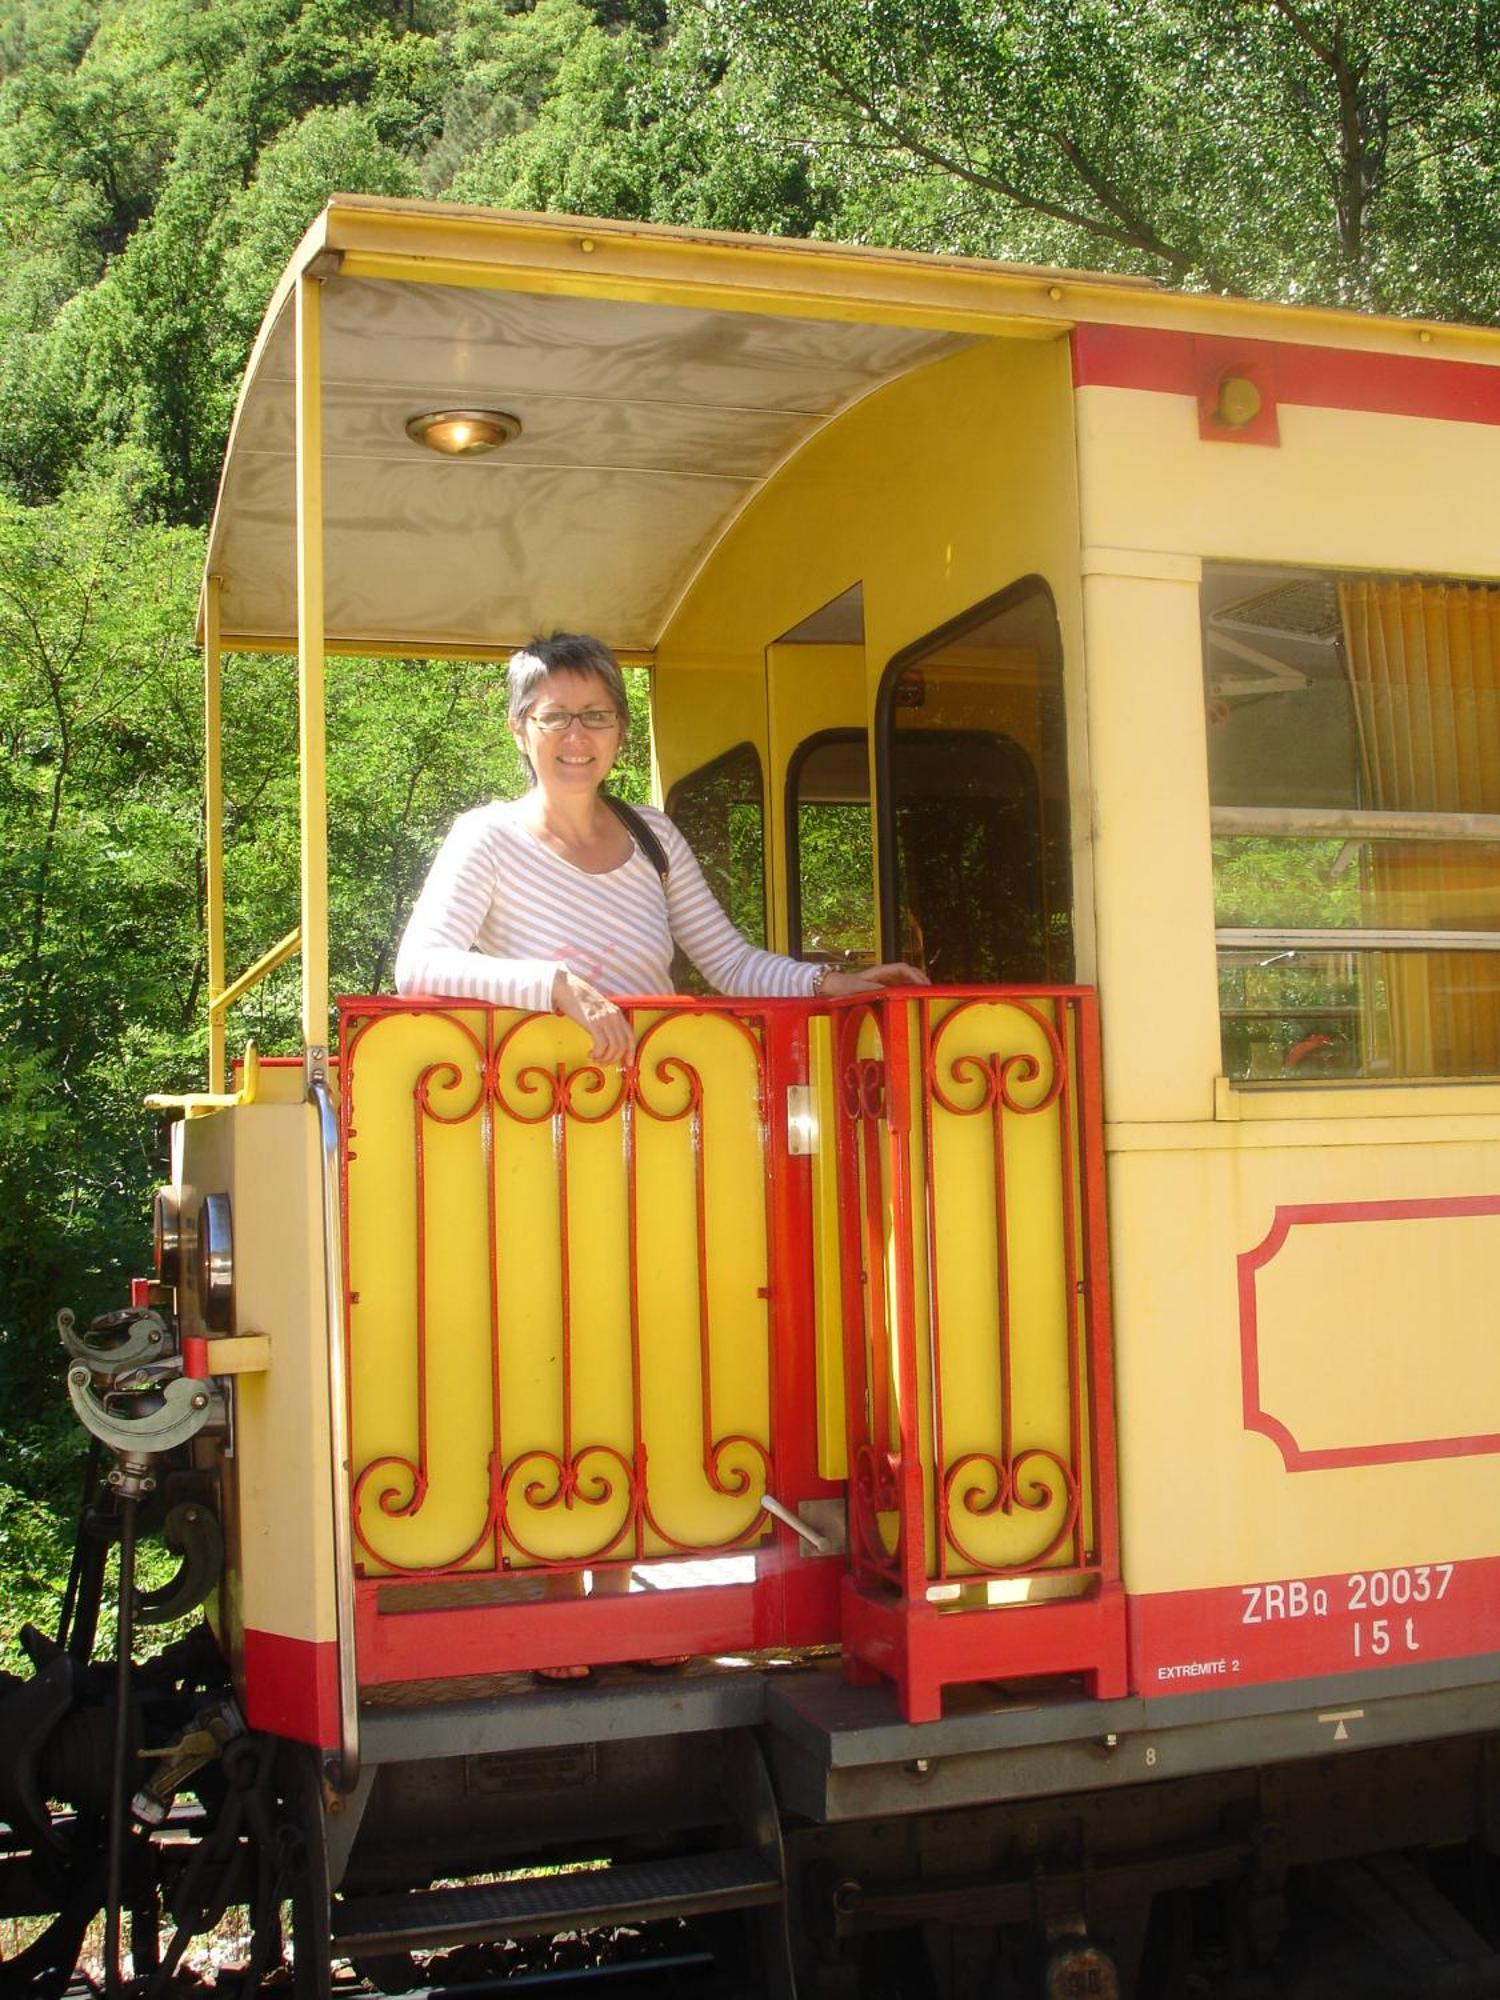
1424, 665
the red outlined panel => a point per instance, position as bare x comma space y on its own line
1329, 378
1300, 1628
292, 1687
1355, 1215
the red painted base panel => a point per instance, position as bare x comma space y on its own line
1298, 1628
794, 1606
1255, 1634
292, 1687
924, 1649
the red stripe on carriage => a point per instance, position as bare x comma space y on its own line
1329, 378
1300, 1628
292, 1687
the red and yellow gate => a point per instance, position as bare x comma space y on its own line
977, 1357
576, 1301
582, 1329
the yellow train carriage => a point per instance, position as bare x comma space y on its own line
1144, 651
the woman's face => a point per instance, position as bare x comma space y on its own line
576, 758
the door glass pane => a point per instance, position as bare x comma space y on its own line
830, 860
980, 883
721, 812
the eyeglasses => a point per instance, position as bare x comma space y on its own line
553, 721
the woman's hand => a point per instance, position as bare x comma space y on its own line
870, 979
596, 1014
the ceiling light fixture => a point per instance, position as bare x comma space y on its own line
463, 433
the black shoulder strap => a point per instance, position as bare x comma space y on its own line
641, 831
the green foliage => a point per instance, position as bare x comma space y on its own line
836, 873
159, 160
84, 155
1293, 148
331, 150
565, 140
35, 1549
102, 963
589, 111
1270, 883
39, 1492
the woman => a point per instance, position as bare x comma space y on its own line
548, 901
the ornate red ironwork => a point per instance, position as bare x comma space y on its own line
880, 1369
579, 1474
915, 1504
475, 1623
922, 1514
1008, 1480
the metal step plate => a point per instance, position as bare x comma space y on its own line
586, 1899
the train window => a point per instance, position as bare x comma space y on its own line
1354, 770
830, 862
720, 808
978, 871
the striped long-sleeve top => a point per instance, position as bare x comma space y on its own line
501, 915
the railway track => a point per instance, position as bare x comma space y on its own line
1387, 1927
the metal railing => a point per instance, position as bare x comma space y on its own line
975, 1295
564, 1289
583, 1325
321, 1099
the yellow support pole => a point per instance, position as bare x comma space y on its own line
213, 834
312, 741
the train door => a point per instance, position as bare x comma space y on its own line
974, 847
976, 869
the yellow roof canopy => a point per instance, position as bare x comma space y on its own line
660, 377
643, 430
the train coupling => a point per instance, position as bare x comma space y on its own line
127, 1388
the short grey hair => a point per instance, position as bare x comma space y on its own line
563, 653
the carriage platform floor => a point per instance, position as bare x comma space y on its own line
842, 1752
